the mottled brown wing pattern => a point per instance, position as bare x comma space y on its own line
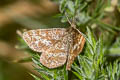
51, 42
76, 43
42, 39
57, 55
57, 45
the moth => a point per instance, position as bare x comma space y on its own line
58, 45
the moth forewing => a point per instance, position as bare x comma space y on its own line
40, 40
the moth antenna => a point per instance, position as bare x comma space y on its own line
71, 23
73, 20
68, 19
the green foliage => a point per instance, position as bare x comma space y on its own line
91, 64
113, 71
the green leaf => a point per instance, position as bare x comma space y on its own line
71, 6
75, 73
65, 73
35, 77
62, 5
